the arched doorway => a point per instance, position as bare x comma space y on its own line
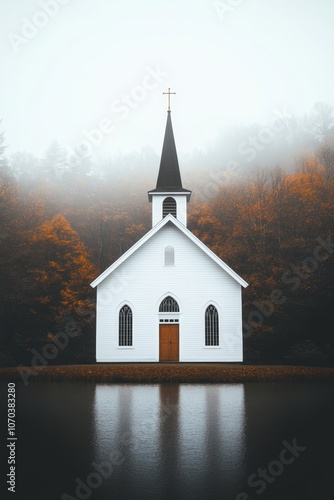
169, 330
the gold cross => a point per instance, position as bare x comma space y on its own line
169, 93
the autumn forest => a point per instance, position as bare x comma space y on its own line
263, 202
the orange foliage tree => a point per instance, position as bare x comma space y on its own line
267, 228
60, 270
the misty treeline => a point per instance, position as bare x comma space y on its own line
268, 214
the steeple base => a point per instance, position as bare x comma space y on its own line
162, 203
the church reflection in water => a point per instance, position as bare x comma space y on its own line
175, 440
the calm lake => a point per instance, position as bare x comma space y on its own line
174, 441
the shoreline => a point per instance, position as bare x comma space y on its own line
167, 373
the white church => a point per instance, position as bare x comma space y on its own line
169, 298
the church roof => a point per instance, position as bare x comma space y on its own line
169, 178
154, 230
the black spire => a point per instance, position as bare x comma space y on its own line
169, 178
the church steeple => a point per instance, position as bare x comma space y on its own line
169, 196
169, 178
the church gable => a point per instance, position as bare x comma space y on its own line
169, 254
152, 249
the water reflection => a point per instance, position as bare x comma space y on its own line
198, 442
169, 438
172, 437
212, 436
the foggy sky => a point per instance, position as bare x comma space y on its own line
72, 66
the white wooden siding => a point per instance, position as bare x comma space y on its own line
143, 281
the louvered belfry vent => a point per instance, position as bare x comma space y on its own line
169, 207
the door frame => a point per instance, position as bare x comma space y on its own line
170, 325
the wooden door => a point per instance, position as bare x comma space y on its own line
169, 342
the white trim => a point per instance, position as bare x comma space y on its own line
124, 303
218, 309
220, 321
208, 303
152, 232
167, 193
169, 247
162, 297
116, 321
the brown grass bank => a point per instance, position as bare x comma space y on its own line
169, 372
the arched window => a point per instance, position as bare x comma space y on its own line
169, 256
169, 305
169, 207
211, 326
125, 326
